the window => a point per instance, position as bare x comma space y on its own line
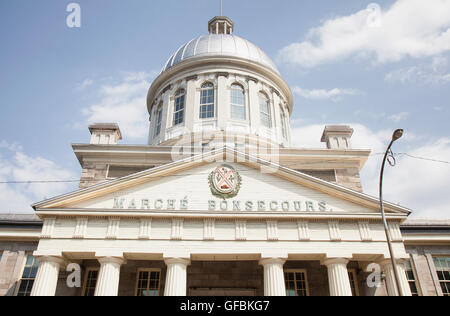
283, 123
353, 282
90, 282
296, 283
29, 274
442, 265
178, 115
411, 277
264, 110
237, 102
207, 101
158, 121
148, 281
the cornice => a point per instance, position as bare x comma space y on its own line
145, 154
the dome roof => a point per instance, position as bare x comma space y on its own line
220, 45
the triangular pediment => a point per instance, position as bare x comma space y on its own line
184, 186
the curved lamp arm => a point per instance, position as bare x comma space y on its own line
397, 135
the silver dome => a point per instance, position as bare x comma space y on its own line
220, 45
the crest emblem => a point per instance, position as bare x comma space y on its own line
225, 182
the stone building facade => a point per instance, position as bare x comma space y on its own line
425, 242
218, 202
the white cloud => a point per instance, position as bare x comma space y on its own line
409, 28
398, 117
123, 102
322, 94
85, 83
12, 147
15, 165
436, 73
420, 185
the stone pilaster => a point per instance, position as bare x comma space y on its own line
274, 284
108, 278
176, 278
47, 276
338, 277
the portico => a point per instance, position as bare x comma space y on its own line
341, 226
185, 277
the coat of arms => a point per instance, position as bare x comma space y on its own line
225, 182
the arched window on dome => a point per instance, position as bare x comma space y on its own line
283, 122
158, 120
178, 112
207, 101
237, 102
264, 110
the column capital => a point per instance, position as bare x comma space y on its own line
116, 260
183, 261
388, 261
265, 261
331, 261
54, 259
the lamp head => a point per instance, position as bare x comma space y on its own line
397, 135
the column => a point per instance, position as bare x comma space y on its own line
47, 276
338, 277
109, 275
176, 278
274, 284
388, 269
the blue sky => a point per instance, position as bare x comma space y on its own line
56, 80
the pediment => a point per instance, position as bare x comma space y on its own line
185, 186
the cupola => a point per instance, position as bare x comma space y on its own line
220, 25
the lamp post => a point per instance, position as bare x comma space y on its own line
397, 135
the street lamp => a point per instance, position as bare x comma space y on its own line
396, 136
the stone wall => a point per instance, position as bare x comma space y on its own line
93, 174
423, 264
349, 178
236, 275
12, 263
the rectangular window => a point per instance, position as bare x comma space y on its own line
207, 102
178, 116
237, 103
411, 277
442, 265
90, 282
296, 283
283, 124
266, 119
148, 282
158, 122
28, 275
353, 282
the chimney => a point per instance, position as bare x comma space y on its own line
105, 133
337, 137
